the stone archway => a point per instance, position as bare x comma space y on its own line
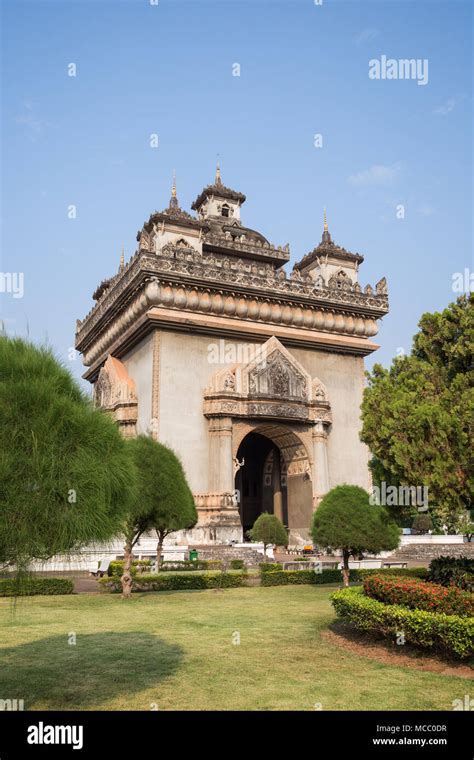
258, 482
275, 397
285, 462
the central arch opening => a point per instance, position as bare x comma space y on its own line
260, 480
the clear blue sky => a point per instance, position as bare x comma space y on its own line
167, 69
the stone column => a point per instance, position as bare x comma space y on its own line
320, 458
221, 469
277, 492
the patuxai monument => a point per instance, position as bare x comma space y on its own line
252, 375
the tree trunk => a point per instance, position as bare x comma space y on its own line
127, 571
265, 558
345, 567
159, 550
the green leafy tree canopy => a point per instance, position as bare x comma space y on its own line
65, 476
346, 520
269, 529
418, 416
163, 503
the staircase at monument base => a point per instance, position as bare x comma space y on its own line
251, 557
425, 552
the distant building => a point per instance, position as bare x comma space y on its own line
252, 376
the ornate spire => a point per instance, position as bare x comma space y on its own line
326, 236
218, 173
174, 199
122, 260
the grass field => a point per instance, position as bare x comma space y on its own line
176, 650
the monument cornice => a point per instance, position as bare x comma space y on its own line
263, 295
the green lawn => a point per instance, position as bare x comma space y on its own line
175, 650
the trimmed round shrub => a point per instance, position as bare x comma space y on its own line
422, 524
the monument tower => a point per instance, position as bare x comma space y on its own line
253, 376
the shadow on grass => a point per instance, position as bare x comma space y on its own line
382, 649
55, 674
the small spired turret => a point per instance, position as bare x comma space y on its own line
329, 263
172, 225
218, 202
219, 208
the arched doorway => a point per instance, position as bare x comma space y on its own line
277, 456
260, 480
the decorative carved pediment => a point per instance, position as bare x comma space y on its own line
272, 384
276, 373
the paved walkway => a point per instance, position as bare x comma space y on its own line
86, 585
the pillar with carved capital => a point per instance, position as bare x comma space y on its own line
221, 468
320, 460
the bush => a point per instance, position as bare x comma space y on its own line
269, 529
402, 572
297, 577
178, 582
35, 586
417, 594
274, 575
422, 524
237, 564
270, 567
452, 571
449, 633
116, 566
192, 564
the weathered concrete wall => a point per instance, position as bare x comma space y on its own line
139, 365
186, 364
343, 376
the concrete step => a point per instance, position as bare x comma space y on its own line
251, 557
427, 552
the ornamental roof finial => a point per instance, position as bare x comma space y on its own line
218, 172
326, 236
174, 199
122, 260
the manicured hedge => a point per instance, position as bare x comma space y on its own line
420, 595
270, 567
280, 577
178, 582
237, 564
452, 571
192, 564
432, 630
116, 566
297, 577
35, 586
400, 572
